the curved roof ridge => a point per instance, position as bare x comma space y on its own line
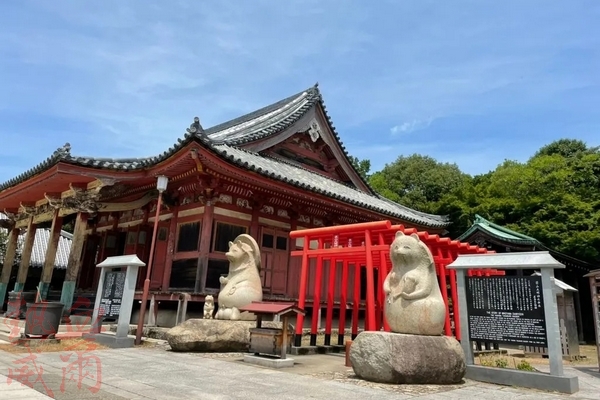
324, 185
309, 94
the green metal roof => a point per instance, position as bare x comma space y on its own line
499, 232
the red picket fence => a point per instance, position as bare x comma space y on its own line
367, 245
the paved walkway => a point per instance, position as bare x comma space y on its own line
146, 373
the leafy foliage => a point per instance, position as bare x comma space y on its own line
554, 196
417, 181
362, 166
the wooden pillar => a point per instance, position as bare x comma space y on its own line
170, 249
50, 257
9, 261
254, 225
26, 256
204, 246
291, 246
74, 263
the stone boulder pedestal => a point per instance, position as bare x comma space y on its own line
215, 335
387, 357
210, 335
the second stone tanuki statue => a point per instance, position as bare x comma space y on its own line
414, 302
415, 351
242, 284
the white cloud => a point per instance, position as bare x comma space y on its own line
407, 127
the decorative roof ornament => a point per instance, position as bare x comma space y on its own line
63, 151
196, 128
315, 130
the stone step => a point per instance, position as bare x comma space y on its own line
6, 336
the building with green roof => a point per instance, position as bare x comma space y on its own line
495, 237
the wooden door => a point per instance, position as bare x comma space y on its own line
160, 254
275, 257
111, 245
88, 265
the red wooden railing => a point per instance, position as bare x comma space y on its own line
367, 245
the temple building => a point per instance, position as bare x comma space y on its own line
500, 239
277, 169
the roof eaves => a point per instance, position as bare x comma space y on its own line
61, 154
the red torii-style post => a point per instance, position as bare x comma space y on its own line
367, 245
349, 234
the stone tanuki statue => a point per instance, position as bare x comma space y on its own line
209, 306
414, 303
415, 351
242, 285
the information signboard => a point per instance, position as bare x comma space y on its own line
112, 294
506, 309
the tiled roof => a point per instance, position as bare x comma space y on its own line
247, 128
40, 244
254, 126
314, 182
266, 121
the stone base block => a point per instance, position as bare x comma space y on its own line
210, 335
112, 341
213, 335
270, 362
532, 380
407, 359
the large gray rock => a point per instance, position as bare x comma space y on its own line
409, 359
210, 335
213, 335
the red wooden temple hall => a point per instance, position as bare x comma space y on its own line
279, 169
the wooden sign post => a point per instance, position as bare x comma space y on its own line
114, 298
595, 291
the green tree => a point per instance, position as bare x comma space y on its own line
362, 166
417, 181
554, 197
566, 148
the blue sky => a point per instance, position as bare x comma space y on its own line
471, 82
